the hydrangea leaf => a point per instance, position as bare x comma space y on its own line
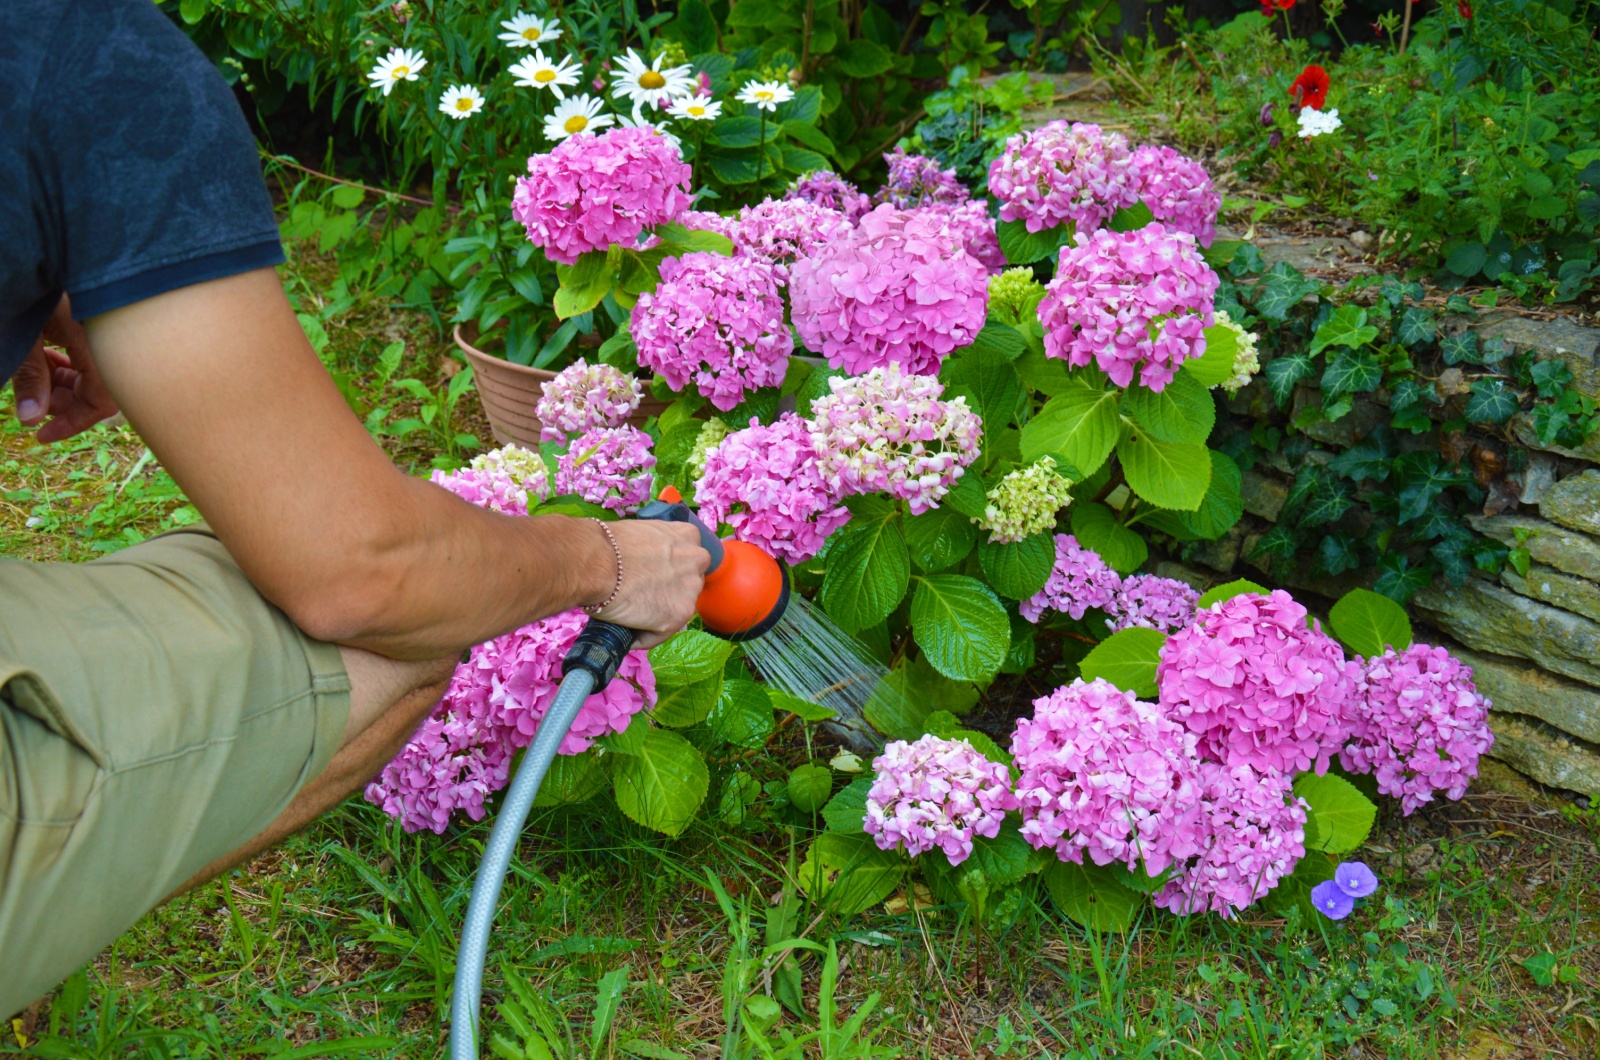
735, 130
1167, 474
967, 495
961, 627
1220, 253
742, 714
680, 706
803, 708
630, 741
1095, 527
868, 571
1078, 426
1127, 659
939, 538
810, 786
987, 374
1294, 890
1222, 505
1216, 364
862, 58
1018, 569
689, 657
1000, 338
663, 785
848, 874
846, 811
1182, 412
1131, 218
901, 704
1022, 247
1366, 623
1139, 882
572, 778
1344, 815
1091, 896
1229, 590
947, 726
1048, 375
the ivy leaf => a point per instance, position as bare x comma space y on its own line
1344, 816
846, 811
1550, 377
1284, 373
1022, 247
1329, 499
1215, 365
689, 657
1167, 474
961, 627
1078, 427
1490, 402
1091, 896
742, 714
1351, 373
1398, 579
1366, 623
1423, 476
1416, 326
1368, 460
663, 785
1461, 348
1182, 412
869, 570
1127, 659
939, 538
1337, 553
848, 874
1095, 527
1019, 569
1347, 327
1281, 542
1218, 593
1222, 506
1281, 289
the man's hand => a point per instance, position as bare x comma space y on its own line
663, 566
66, 387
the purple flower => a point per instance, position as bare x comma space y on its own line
1063, 173
833, 191
1079, 580
1145, 600
1266, 114
1330, 901
1355, 879
916, 180
936, 794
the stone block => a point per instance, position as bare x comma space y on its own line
1546, 755
1546, 584
1515, 686
1578, 346
1492, 618
1522, 430
1263, 495
1547, 543
1574, 502
1220, 555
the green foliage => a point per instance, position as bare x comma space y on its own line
1127, 659
1367, 623
1342, 816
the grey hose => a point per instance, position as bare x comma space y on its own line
464, 1004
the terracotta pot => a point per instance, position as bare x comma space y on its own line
509, 393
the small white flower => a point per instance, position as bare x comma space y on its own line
401, 64
576, 115
765, 94
695, 108
650, 85
1317, 122
461, 101
525, 31
539, 71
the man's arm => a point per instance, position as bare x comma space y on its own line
222, 384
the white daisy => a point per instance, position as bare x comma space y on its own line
695, 108
576, 115
765, 94
461, 101
539, 71
525, 31
401, 64
660, 130
650, 85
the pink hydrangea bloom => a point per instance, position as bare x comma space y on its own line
706, 221
1253, 833
1105, 773
489, 485
1421, 726
717, 322
1258, 686
1079, 580
590, 192
898, 288
582, 396
1127, 300
886, 430
1154, 603
916, 180
778, 231
970, 224
1063, 173
447, 766
834, 192
1178, 191
608, 466
765, 482
936, 794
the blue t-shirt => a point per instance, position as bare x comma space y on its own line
126, 167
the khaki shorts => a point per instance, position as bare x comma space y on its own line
155, 714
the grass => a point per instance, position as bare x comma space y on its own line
1482, 942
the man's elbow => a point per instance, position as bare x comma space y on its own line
360, 601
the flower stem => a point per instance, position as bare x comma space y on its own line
761, 148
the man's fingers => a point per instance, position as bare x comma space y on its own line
32, 386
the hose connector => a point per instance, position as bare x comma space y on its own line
599, 649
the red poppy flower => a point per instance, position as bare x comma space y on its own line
1465, 9
1310, 89
1269, 8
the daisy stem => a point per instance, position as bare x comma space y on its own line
761, 147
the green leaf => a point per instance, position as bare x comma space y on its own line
1215, 365
1347, 327
846, 811
583, 284
1366, 623
988, 375
1078, 427
1039, 371
1344, 816
572, 778
696, 27
1001, 338
1281, 289
1465, 259
663, 785
1183, 411
1140, 882
1222, 505
1221, 253
676, 239
689, 657
803, 708
961, 627
1295, 888
1462, 347
939, 538
946, 726
848, 874
810, 786
1416, 326
737, 168
1167, 474
1091, 896
1022, 247
1351, 373
901, 704
1019, 569
736, 130
1491, 402
1284, 372
862, 58
1096, 527
1127, 659
679, 706
1131, 218
968, 495
869, 570
742, 714
1542, 967
804, 109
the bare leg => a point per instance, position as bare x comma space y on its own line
388, 700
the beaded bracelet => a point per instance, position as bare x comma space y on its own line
595, 609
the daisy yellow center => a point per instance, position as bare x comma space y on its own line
766, 94
651, 79
531, 33
696, 110
400, 71
464, 103
576, 124
544, 77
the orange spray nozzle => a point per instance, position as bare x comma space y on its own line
745, 591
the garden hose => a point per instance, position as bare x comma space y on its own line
745, 594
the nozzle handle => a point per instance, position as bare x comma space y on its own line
679, 512
599, 649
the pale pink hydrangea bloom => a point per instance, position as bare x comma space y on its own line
1421, 726
584, 395
916, 180
886, 430
1130, 300
1145, 600
766, 484
608, 466
899, 287
834, 192
1105, 773
1063, 173
447, 766
970, 224
778, 231
493, 488
717, 322
1253, 833
936, 794
1258, 686
1079, 580
591, 192
1178, 191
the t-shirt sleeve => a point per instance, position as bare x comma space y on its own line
146, 175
